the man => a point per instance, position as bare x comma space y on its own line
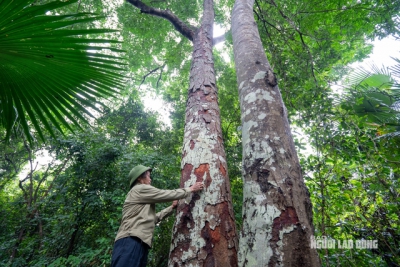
135, 233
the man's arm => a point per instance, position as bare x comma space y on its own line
163, 214
149, 194
166, 212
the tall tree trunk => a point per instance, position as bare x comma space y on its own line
204, 233
277, 212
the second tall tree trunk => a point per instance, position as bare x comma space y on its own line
277, 213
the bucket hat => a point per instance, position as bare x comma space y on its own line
136, 172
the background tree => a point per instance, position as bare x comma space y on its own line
355, 184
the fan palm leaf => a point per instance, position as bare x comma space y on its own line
50, 74
395, 70
370, 77
374, 94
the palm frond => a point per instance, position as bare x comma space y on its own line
396, 74
50, 73
371, 77
374, 94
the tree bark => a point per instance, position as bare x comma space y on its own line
204, 233
277, 211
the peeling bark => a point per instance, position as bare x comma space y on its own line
204, 233
277, 214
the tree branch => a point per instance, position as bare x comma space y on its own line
151, 72
159, 77
180, 26
55, 176
45, 175
11, 163
310, 55
297, 29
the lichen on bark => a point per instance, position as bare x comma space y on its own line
277, 219
204, 233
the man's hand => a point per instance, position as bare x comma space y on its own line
194, 188
197, 187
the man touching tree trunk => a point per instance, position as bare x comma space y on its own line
204, 232
135, 234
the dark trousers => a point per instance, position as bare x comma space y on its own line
129, 252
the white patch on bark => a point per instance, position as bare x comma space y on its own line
253, 148
244, 114
273, 182
251, 97
282, 151
262, 116
258, 219
200, 153
280, 242
258, 94
266, 95
282, 232
246, 131
241, 85
259, 75
186, 255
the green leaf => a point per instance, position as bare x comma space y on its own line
48, 76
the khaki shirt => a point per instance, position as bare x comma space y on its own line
138, 214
